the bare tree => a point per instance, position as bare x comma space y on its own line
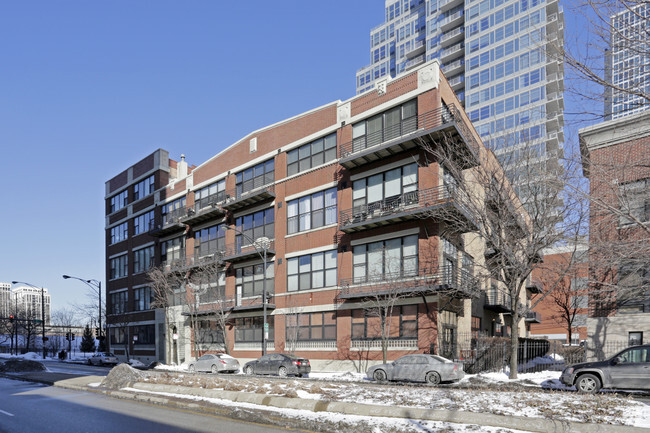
64, 320
121, 324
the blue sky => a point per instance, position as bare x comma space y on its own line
88, 88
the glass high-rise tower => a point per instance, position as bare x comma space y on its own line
498, 56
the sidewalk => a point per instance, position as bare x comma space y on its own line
151, 393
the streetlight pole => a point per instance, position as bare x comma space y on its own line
264, 242
42, 313
95, 285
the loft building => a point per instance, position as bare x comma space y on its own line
494, 55
285, 240
626, 62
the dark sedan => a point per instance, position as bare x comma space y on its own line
629, 369
432, 369
282, 364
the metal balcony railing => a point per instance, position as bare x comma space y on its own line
497, 300
188, 261
533, 316
442, 278
240, 252
259, 189
441, 116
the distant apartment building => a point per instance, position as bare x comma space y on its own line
495, 57
6, 305
616, 161
325, 213
627, 62
28, 302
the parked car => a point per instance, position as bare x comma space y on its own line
215, 363
432, 369
628, 369
282, 364
103, 358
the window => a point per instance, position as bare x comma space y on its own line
366, 324
580, 301
214, 193
119, 201
171, 212
118, 335
311, 271
209, 332
633, 286
255, 177
215, 291
635, 202
388, 259
119, 302
143, 223
119, 233
390, 124
309, 327
249, 280
391, 188
312, 211
311, 155
209, 240
450, 254
143, 188
142, 298
635, 338
254, 226
249, 329
143, 259
172, 250
119, 267
144, 334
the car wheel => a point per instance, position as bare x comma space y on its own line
191, 369
588, 383
214, 370
379, 375
433, 378
249, 370
282, 371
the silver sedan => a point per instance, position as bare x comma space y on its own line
215, 363
432, 369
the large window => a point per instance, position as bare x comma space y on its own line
255, 177
635, 202
254, 226
312, 211
119, 267
172, 250
386, 260
213, 193
172, 211
215, 291
144, 334
249, 329
142, 297
119, 302
633, 294
119, 201
311, 154
143, 259
389, 188
366, 324
143, 188
311, 326
311, 271
209, 240
143, 223
119, 233
208, 333
249, 280
390, 124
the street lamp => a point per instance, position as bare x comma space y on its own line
263, 243
42, 314
95, 285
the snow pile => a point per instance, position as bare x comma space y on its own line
17, 365
122, 376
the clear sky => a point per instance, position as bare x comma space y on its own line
88, 88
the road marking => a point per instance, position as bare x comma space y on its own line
6, 413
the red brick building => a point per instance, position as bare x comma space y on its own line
339, 193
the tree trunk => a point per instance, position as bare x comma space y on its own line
514, 345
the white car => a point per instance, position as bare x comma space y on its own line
103, 358
215, 363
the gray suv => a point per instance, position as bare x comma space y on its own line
628, 369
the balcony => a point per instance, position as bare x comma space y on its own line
413, 63
535, 287
452, 52
240, 253
171, 223
452, 37
261, 191
191, 261
533, 317
252, 303
440, 202
418, 48
445, 5
497, 301
453, 20
457, 82
453, 68
442, 125
444, 280
204, 210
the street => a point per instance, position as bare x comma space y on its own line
27, 407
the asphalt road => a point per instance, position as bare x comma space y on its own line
79, 369
33, 408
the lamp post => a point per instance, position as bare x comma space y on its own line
42, 314
264, 243
95, 285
